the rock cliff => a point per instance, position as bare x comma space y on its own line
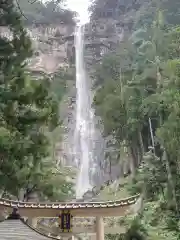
54, 50
51, 49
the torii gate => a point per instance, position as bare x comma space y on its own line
99, 210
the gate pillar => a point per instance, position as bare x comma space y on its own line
99, 228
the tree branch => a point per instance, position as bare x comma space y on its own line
20, 9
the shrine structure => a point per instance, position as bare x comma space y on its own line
42, 210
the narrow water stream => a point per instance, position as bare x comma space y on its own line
83, 142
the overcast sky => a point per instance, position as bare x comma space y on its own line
80, 6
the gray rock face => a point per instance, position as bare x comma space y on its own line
88, 195
51, 51
100, 37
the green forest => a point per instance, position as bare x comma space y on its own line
44, 13
29, 116
138, 99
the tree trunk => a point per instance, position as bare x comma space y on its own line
171, 185
132, 159
21, 194
141, 143
110, 168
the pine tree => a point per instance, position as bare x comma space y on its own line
26, 108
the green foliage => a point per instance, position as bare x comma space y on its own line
28, 111
51, 12
138, 100
136, 14
59, 85
113, 8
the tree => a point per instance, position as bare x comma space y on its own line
138, 101
39, 13
28, 112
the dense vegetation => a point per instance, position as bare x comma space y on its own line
39, 13
29, 114
139, 102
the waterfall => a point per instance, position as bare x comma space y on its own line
84, 131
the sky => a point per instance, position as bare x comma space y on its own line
80, 6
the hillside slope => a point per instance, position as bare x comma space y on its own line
137, 98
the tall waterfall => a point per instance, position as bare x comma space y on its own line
84, 131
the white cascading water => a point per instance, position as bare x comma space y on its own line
84, 131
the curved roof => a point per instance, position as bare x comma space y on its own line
42, 209
69, 205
